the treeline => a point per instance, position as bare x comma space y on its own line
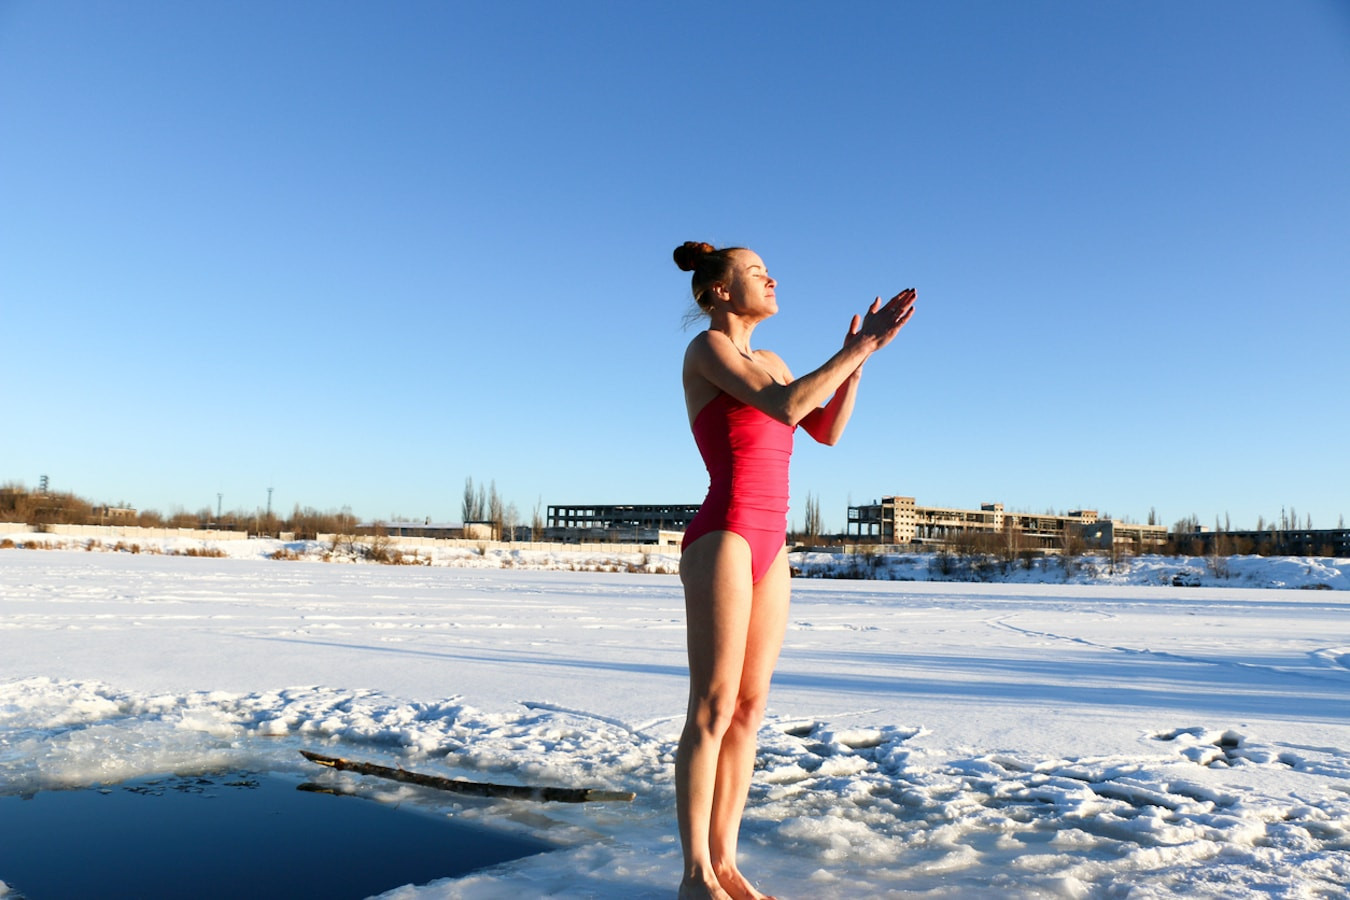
483, 505
17, 504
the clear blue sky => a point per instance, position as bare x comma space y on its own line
358, 252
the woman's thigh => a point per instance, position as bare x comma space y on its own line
718, 601
765, 629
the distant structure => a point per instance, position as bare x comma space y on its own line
1273, 541
661, 524
424, 529
899, 520
114, 515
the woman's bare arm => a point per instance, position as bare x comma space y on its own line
826, 424
714, 358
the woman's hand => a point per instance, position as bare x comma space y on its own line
882, 323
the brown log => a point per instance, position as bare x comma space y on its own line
473, 788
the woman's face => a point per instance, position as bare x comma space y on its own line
751, 288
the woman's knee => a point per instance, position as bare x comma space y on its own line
748, 713
714, 714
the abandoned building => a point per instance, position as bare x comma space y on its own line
900, 521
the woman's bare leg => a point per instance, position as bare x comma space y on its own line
715, 570
764, 640
735, 633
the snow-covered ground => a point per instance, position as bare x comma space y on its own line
1097, 734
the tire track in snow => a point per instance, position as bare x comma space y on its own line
1335, 660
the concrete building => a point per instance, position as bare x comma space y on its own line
1333, 542
114, 515
662, 524
900, 521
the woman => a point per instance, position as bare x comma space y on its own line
744, 406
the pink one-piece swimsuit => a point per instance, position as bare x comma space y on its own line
747, 454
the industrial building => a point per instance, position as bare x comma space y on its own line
662, 524
900, 521
897, 521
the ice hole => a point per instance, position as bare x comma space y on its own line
235, 835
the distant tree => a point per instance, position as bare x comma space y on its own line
495, 511
1184, 539
1186, 526
811, 518
1071, 542
1011, 546
471, 509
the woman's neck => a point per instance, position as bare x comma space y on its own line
738, 330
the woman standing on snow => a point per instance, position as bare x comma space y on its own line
744, 406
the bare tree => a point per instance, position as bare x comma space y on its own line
467, 505
811, 527
496, 514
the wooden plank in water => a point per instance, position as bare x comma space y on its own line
473, 788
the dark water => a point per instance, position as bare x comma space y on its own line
234, 835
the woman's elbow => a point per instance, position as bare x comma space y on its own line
790, 415
829, 435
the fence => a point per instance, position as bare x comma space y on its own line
129, 531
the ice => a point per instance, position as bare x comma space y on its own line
943, 739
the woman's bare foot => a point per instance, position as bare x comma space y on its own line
702, 888
737, 886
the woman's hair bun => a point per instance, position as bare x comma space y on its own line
688, 254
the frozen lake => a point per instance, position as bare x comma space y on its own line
924, 739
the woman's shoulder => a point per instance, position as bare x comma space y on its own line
707, 337
709, 344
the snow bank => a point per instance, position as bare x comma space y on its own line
1181, 571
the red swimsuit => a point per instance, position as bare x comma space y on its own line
747, 455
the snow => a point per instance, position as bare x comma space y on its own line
1089, 733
